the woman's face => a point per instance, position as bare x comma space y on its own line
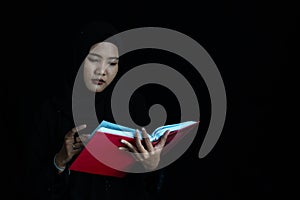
100, 66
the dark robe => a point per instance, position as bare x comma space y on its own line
53, 120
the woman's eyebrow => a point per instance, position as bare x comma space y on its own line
94, 54
113, 58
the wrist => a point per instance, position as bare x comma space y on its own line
58, 165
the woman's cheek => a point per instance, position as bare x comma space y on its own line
88, 69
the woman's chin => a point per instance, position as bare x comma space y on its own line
96, 88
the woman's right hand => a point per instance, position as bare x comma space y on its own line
72, 145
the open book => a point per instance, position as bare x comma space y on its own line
106, 138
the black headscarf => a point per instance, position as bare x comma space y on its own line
90, 34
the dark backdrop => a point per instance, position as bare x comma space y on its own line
250, 44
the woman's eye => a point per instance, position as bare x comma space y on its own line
93, 60
113, 64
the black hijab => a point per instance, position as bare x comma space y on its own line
90, 34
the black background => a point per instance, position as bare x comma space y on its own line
249, 42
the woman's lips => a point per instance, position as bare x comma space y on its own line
98, 81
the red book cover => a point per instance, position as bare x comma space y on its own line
101, 151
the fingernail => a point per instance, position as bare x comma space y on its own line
123, 141
81, 126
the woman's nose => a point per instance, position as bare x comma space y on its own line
101, 69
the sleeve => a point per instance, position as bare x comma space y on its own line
46, 182
154, 182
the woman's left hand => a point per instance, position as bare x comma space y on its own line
149, 156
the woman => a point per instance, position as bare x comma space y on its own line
57, 144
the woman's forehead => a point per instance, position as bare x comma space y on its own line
105, 49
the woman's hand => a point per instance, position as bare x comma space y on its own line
72, 145
149, 156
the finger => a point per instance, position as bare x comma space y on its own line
69, 140
83, 138
124, 149
163, 140
127, 150
81, 127
77, 146
76, 136
132, 149
147, 140
76, 151
143, 152
129, 146
74, 130
138, 143
68, 143
77, 139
